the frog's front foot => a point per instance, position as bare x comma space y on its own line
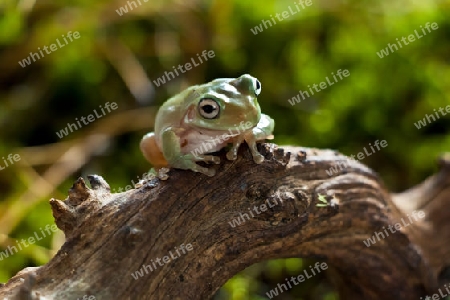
197, 168
232, 153
261, 132
189, 162
162, 173
257, 157
208, 159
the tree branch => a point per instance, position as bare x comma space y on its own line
111, 236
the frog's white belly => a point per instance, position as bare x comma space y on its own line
200, 143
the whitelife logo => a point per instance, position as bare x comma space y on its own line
165, 259
31, 240
89, 119
263, 207
124, 9
281, 17
11, 158
53, 47
162, 80
211, 144
397, 226
411, 38
431, 118
323, 85
360, 156
274, 292
438, 296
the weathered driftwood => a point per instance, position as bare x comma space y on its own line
111, 236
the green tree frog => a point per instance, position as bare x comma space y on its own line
204, 119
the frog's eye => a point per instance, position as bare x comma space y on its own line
257, 87
208, 108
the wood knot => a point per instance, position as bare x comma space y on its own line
302, 199
65, 215
286, 207
81, 202
282, 156
78, 193
272, 151
301, 156
98, 183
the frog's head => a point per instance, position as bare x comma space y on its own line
224, 103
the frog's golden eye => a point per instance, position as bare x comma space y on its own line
208, 108
257, 87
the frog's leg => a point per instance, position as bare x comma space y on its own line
263, 130
151, 151
176, 159
232, 153
153, 155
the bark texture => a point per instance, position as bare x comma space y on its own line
111, 236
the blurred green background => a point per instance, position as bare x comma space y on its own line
117, 57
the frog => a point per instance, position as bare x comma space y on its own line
205, 118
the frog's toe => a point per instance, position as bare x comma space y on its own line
231, 155
258, 158
212, 159
210, 172
163, 176
207, 171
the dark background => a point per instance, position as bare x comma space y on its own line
116, 58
